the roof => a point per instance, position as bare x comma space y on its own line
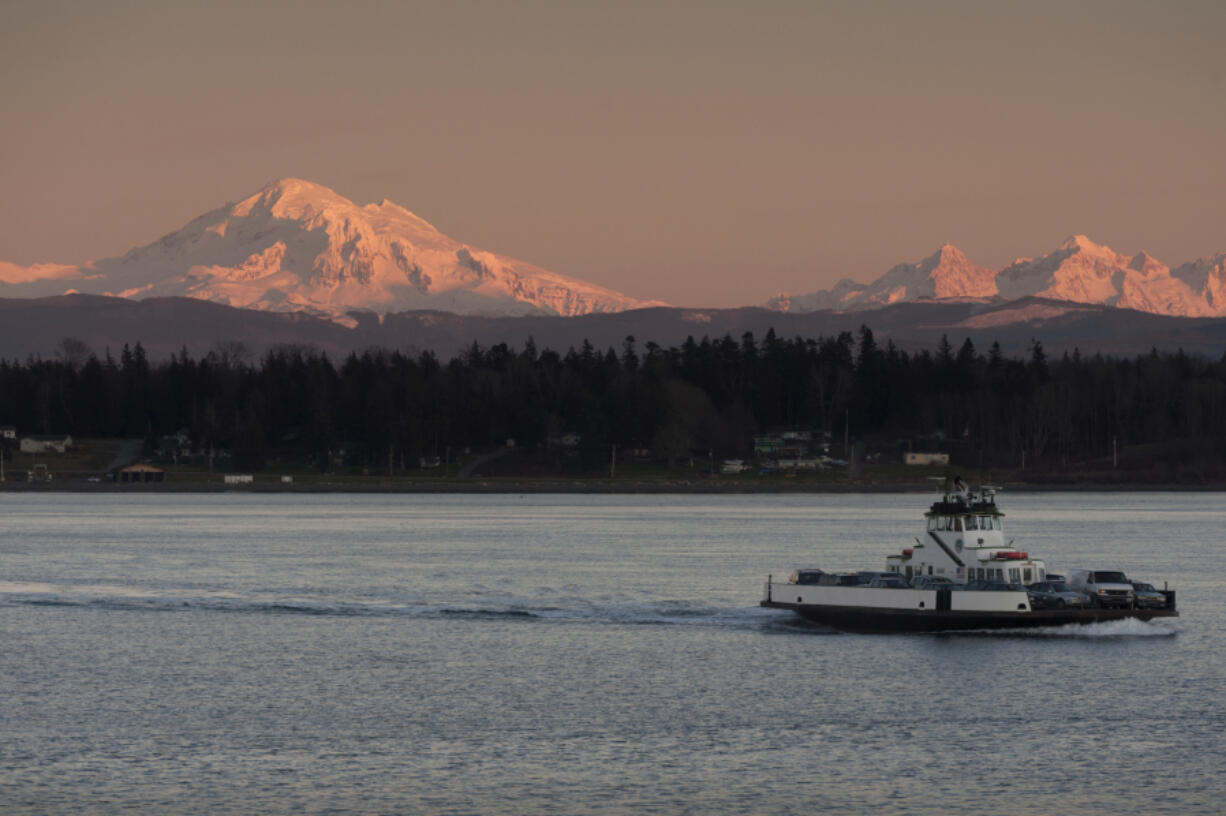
953, 508
141, 467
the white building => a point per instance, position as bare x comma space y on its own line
45, 443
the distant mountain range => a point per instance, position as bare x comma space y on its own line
295, 263
37, 327
1079, 271
295, 246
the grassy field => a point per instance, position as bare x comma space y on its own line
86, 467
87, 457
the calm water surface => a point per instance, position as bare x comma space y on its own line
587, 655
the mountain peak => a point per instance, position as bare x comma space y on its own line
294, 245
290, 185
295, 189
947, 273
1078, 271
1081, 243
292, 198
948, 254
955, 276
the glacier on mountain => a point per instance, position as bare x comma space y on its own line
1078, 271
298, 246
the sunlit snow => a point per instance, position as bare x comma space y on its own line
298, 246
1078, 271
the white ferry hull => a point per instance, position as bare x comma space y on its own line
866, 609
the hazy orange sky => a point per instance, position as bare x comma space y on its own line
702, 153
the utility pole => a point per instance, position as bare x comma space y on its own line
847, 434
1115, 460
613, 462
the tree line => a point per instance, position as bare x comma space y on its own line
386, 408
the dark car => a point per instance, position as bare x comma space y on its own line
931, 582
993, 586
889, 581
839, 579
1146, 597
1054, 595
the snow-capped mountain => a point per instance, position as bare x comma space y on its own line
298, 246
1086, 272
1079, 271
945, 274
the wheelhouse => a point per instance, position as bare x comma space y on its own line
965, 541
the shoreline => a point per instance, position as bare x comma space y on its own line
579, 487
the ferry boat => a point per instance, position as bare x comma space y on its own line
960, 575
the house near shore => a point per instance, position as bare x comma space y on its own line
919, 458
46, 443
791, 448
140, 472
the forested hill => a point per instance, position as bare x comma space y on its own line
704, 398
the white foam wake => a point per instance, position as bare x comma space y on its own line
1128, 627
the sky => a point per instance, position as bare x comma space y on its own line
700, 153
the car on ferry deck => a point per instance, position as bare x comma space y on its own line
931, 582
839, 579
1051, 594
1103, 588
889, 581
1146, 597
868, 576
992, 586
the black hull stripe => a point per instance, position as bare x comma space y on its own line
867, 619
